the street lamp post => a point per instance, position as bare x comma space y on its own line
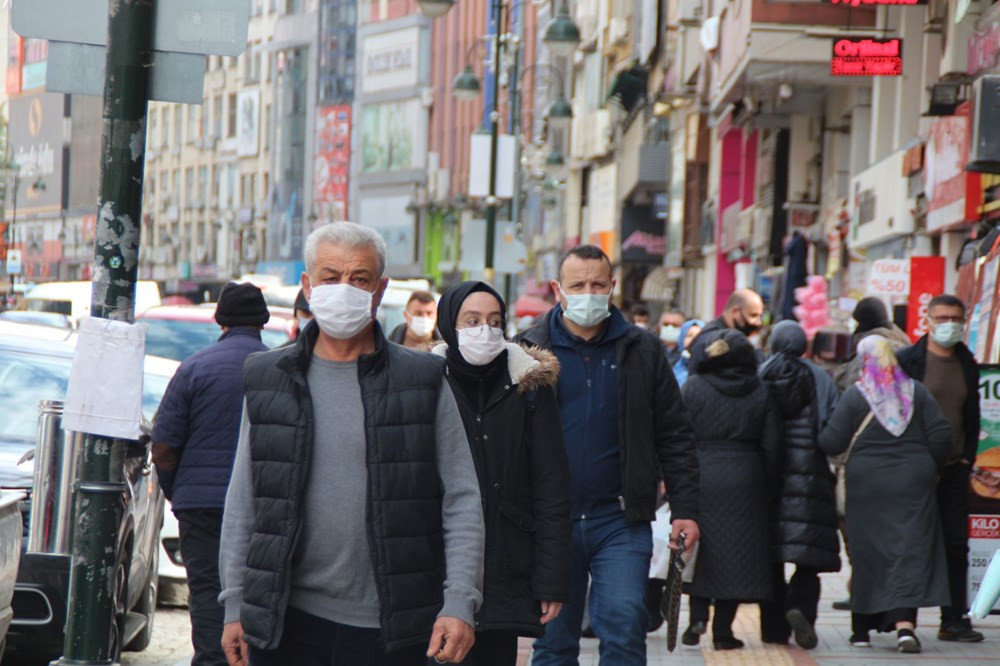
11, 233
561, 37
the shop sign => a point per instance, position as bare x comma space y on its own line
947, 184
983, 49
391, 60
889, 277
984, 495
867, 57
926, 282
878, 3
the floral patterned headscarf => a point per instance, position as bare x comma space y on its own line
885, 386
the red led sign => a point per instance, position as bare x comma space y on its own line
867, 57
878, 3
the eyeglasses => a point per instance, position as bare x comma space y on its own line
945, 319
478, 331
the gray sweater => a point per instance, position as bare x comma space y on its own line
332, 574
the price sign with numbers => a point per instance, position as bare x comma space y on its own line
984, 486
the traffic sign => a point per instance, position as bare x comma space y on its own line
78, 69
217, 27
14, 262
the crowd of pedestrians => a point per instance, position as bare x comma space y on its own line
432, 494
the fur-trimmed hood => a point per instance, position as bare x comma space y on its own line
531, 368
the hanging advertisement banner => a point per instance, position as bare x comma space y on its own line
984, 485
926, 282
949, 188
889, 277
979, 324
333, 162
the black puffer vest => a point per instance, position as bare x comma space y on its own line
399, 390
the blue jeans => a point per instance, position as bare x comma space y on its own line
616, 555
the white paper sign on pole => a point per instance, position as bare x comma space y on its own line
889, 277
14, 262
479, 165
104, 396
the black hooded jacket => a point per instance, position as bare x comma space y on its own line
913, 361
512, 420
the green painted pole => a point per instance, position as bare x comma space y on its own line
95, 617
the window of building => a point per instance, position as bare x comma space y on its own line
231, 185
266, 134
203, 185
164, 127
151, 130
188, 186
175, 185
217, 116
215, 183
193, 124
178, 126
231, 124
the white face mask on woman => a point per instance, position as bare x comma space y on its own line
481, 344
341, 310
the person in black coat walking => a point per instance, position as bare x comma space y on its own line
804, 518
738, 432
506, 396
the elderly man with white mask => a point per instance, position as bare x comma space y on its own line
353, 532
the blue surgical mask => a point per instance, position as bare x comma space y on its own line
947, 334
586, 310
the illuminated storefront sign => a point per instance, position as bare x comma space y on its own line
867, 57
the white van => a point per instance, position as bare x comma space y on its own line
73, 298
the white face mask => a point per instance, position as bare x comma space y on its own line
422, 327
341, 310
586, 310
480, 345
947, 334
670, 334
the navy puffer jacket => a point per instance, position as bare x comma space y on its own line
199, 417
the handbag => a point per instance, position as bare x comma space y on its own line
841, 487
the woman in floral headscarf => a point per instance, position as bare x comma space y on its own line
897, 439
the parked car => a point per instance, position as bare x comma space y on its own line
35, 318
35, 367
173, 589
73, 298
177, 331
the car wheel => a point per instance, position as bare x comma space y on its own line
147, 608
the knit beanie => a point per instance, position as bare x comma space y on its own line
870, 313
241, 304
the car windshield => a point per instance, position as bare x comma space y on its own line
173, 339
28, 379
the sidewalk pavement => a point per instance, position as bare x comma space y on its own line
833, 628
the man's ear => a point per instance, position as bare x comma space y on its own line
306, 285
379, 293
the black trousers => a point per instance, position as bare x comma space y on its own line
308, 640
199, 537
953, 504
722, 621
493, 648
801, 592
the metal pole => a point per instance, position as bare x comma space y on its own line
515, 129
95, 617
13, 235
491, 199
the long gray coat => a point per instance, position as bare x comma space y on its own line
892, 517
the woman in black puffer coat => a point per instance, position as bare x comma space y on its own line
737, 429
804, 520
506, 396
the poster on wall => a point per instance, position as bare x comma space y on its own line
390, 136
248, 128
333, 162
984, 486
926, 282
979, 325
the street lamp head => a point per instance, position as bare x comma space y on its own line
562, 35
555, 158
466, 87
560, 113
435, 8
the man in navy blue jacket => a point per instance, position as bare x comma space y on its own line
626, 428
194, 442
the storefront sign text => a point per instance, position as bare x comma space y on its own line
867, 57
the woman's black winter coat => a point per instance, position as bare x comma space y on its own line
804, 519
515, 433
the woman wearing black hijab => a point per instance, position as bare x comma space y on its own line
506, 395
738, 430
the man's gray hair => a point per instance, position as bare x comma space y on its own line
349, 235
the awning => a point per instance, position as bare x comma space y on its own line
660, 285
